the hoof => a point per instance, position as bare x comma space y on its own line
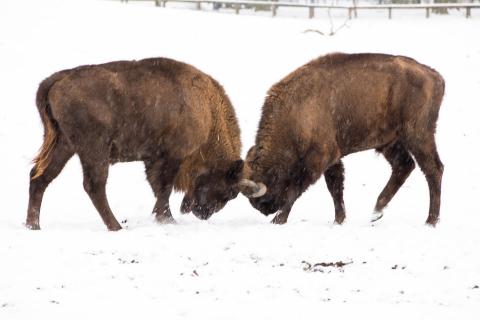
115, 227
339, 220
377, 215
32, 226
279, 220
165, 220
432, 222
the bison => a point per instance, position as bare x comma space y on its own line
336, 105
173, 117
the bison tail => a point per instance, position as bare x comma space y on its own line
50, 137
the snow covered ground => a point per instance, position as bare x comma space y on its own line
236, 265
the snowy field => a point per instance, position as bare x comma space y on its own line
236, 265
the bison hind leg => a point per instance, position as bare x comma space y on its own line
60, 154
402, 165
334, 178
425, 152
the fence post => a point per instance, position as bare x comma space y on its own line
428, 12
274, 10
389, 13
164, 3
237, 8
157, 3
199, 6
311, 12
468, 12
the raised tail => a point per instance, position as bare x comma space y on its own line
50, 136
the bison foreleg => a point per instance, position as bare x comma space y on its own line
187, 204
161, 176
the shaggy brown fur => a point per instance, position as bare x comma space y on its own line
171, 116
340, 104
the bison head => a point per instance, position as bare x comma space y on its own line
279, 186
269, 191
213, 189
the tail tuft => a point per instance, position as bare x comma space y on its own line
42, 160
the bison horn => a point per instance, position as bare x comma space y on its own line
258, 189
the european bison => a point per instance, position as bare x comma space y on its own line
339, 104
168, 114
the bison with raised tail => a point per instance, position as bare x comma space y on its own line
340, 104
171, 116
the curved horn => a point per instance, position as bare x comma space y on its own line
248, 183
259, 189
262, 189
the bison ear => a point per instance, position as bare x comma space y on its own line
251, 155
235, 172
252, 152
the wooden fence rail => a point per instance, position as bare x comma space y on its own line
351, 9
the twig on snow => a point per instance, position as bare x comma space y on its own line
333, 30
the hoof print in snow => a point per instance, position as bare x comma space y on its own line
256, 259
475, 287
395, 267
132, 261
321, 266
